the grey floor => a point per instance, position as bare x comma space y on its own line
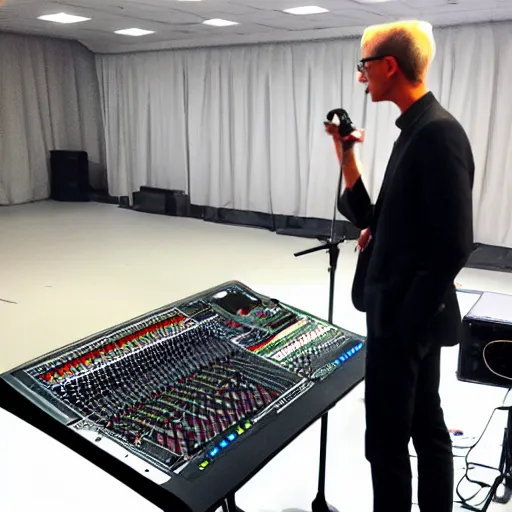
70, 270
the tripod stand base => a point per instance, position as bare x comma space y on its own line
320, 505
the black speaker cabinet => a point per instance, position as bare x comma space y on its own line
485, 356
69, 175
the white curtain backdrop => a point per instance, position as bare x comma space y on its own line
144, 102
49, 99
242, 127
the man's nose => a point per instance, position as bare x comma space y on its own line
361, 77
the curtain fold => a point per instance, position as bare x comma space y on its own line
144, 109
242, 127
49, 99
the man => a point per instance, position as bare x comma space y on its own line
415, 239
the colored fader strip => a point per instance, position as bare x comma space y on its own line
110, 349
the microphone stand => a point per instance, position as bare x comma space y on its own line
332, 247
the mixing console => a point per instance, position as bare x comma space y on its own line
181, 385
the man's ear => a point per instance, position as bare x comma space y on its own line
392, 66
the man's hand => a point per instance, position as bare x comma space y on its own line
364, 239
346, 142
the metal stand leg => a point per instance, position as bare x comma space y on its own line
320, 503
229, 504
332, 246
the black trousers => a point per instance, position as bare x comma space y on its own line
402, 402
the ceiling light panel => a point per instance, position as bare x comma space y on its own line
307, 9
134, 32
217, 22
62, 17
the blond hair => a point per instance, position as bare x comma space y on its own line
410, 42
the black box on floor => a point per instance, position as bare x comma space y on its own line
69, 175
161, 201
485, 355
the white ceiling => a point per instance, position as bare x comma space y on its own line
178, 24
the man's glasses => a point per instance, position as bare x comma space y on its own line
361, 64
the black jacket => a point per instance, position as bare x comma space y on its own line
422, 232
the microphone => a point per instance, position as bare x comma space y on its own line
346, 128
